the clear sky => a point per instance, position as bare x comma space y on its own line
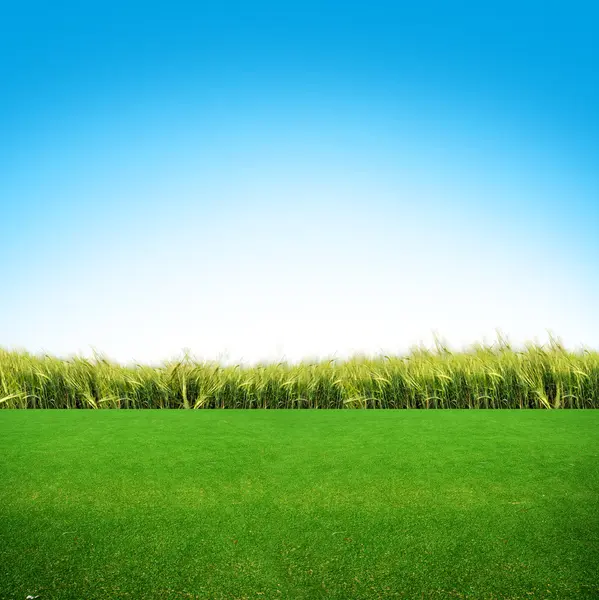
255, 181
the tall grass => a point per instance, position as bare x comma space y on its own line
494, 376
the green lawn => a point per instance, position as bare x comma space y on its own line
299, 504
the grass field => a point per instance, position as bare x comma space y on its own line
299, 504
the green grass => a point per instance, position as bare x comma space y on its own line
299, 504
481, 377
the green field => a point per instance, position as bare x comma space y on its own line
299, 504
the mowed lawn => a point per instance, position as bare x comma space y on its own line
232, 504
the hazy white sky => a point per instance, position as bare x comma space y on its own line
377, 268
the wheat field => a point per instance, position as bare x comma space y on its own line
492, 376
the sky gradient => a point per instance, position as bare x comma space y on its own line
257, 181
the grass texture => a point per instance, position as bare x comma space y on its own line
299, 505
481, 377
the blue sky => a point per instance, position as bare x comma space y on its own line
254, 181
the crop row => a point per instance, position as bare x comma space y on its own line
482, 377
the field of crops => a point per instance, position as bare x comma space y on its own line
496, 376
